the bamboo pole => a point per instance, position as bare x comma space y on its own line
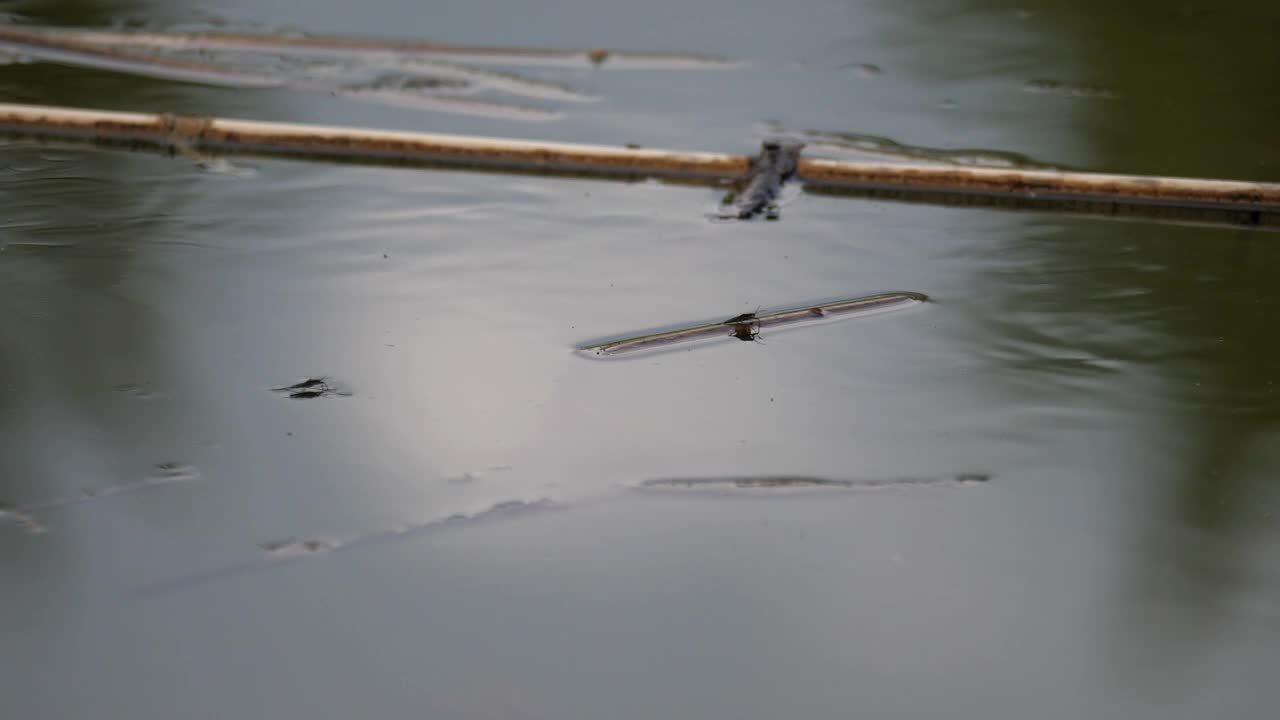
178, 133
1235, 202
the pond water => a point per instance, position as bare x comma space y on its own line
1051, 491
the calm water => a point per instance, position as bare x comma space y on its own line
1117, 380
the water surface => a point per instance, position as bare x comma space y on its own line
1115, 380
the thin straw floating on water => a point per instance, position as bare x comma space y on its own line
1179, 199
745, 327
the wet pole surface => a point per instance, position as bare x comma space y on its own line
1256, 204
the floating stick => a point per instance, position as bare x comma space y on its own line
1179, 199
748, 325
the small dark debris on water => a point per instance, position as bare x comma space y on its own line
413, 83
311, 388
770, 170
598, 56
866, 70
174, 471
473, 476
290, 547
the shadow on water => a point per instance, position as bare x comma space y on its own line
1173, 325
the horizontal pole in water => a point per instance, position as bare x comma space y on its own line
180, 133
1249, 202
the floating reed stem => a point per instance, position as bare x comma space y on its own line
1185, 199
748, 325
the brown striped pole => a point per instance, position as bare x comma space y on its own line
1179, 199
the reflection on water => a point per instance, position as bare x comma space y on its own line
77, 246
1180, 322
1172, 324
